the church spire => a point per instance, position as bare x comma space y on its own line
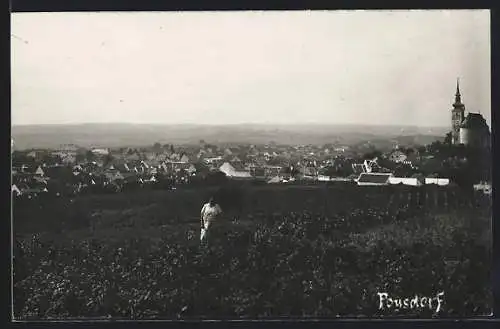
458, 99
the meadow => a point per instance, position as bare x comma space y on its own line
319, 251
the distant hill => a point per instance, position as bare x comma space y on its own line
123, 135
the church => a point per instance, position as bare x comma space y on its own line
471, 130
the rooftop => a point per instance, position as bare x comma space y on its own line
378, 178
474, 121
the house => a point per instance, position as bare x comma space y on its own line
213, 161
154, 163
130, 177
68, 159
15, 190
40, 180
36, 155
340, 179
89, 167
201, 154
405, 181
371, 165
272, 170
39, 171
84, 180
28, 168
398, 156
191, 169
33, 191
132, 157
151, 179
484, 187
112, 186
407, 163
59, 154
256, 171
234, 171
134, 165
373, 179
358, 168
32, 154
171, 167
24, 169
323, 178
437, 181
341, 149
22, 177
184, 158
309, 171
260, 161
122, 167
100, 151
253, 167
150, 156
165, 166
113, 175
236, 159
70, 148
78, 168
274, 180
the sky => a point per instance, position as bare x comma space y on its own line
338, 67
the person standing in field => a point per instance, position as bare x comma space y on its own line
209, 213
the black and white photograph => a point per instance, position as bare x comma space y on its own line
251, 165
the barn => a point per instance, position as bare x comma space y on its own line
373, 179
234, 171
437, 181
405, 181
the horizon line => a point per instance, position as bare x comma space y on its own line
228, 124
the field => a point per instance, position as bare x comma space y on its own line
294, 251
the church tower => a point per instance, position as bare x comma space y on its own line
457, 116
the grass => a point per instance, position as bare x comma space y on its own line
321, 252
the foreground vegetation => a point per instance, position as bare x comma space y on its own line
319, 251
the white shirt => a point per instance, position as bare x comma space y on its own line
209, 213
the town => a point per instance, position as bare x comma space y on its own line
460, 159
71, 170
